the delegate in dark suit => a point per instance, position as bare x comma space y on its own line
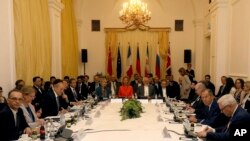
39, 96
173, 90
114, 85
71, 96
141, 92
240, 120
210, 114
8, 129
50, 106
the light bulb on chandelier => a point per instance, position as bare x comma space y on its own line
135, 14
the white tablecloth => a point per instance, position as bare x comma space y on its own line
109, 127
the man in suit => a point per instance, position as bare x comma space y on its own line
37, 85
222, 90
137, 82
211, 109
12, 120
209, 84
197, 106
239, 119
71, 92
163, 89
146, 90
51, 105
81, 88
114, 86
94, 85
157, 85
173, 88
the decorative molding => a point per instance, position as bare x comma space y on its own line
57, 5
167, 29
238, 75
217, 4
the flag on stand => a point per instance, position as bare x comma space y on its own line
119, 64
168, 65
157, 65
138, 62
109, 62
129, 63
147, 68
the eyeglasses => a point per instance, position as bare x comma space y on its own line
16, 99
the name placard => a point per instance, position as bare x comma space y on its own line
116, 100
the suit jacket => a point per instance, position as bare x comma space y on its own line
103, 94
199, 107
27, 115
240, 120
82, 91
39, 97
140, 92
49, 106
117, 85
211, 86
8, 129
157, 88
210, 114
135, 85
221, 92
173, 89
92, 87
70, 95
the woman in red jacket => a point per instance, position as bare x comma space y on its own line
125, 91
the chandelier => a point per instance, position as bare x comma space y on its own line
135, 14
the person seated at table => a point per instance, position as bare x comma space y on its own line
12, 120
52, 104
163, 89
28, 109
197, 106
239, 119
103, 92
73, 97
125, 90
173, 88
146, 90
211, 108
113, 85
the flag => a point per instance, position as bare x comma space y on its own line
110, 62
129, 63
168, 65
157, 65
138, 63
147, 68
119, 64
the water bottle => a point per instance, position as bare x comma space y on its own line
62, 119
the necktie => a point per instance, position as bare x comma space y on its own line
75, 95
58, 104
114, 87
17, 121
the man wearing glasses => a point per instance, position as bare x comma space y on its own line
239, 119
12, 121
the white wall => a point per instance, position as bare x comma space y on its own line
164, 14
7, 71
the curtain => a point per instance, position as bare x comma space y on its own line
32, 39
152, 39
70, 51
